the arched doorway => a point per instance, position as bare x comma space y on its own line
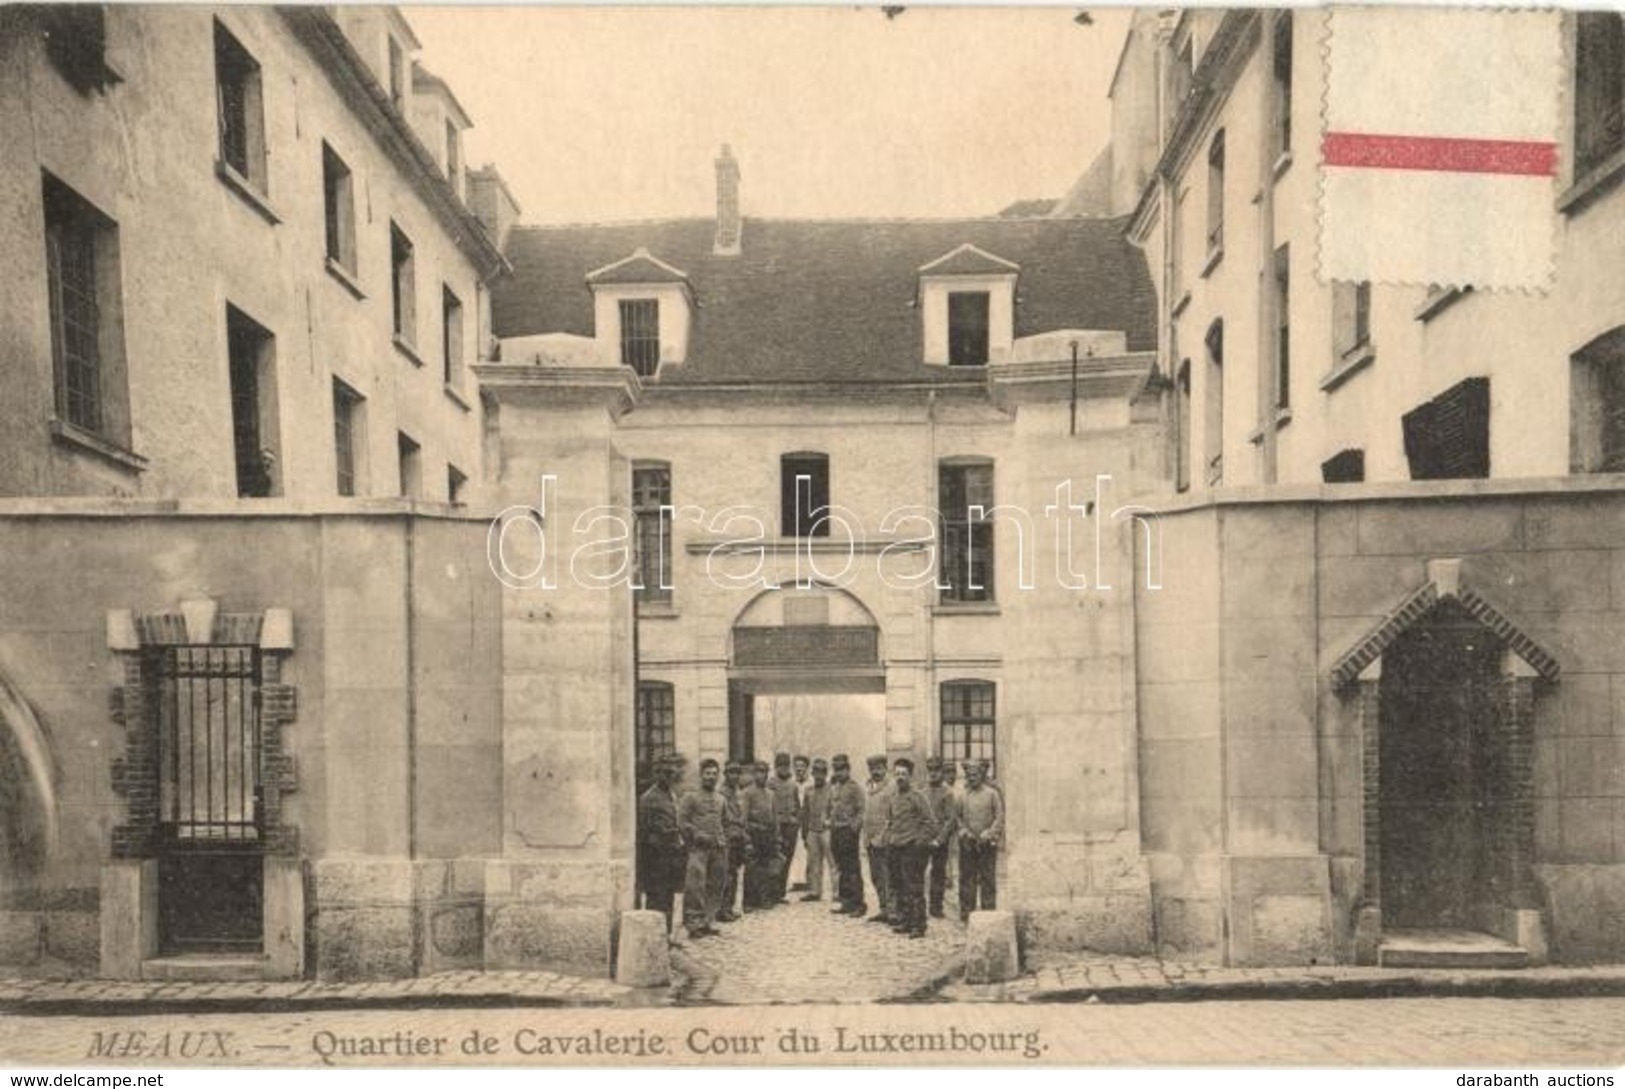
1444, 692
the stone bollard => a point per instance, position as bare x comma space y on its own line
644, 957
991, 955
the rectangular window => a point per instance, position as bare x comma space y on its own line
87, 337
252, 351
1182, 427
804, 495
969, 723
451, 338
456, 481
1599, 89
1597, 406
403, 285
640, 335
411, 466
338, 197
1345, 467
656, 730
348, 437
1215, 195
454, 155
1448, 438
1213, 405
239, 98
1351, 318
651, 509
397, 75
1282, 96
964, 497
1176, 251
967, 328
1283, 328
76, 43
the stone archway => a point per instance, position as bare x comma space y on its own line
1447, 742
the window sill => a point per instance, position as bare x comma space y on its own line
966, 608
345, 277
1283, 416
1593, 183
1214, 256
405, 347
657, 610
457, 398
247, 190
1438, 301
1179, 307
1354, 361
79, 439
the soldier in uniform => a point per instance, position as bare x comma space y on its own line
845, 816
700, 815
762, 828
945, 807
950, 779
787, 811
876, 815
981, 827
733, 824
662, 857
799, 872
911, 834
815, 828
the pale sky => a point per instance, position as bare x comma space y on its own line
596, 114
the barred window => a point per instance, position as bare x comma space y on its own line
81, 254
965, 496
969, 723
656, 734
640, 335
651, 509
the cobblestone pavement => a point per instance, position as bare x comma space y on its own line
1481, 1033
799, 952
1075, 978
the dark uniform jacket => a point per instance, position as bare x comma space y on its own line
758, 805
912, 822
700, 814
786, 800
733, 816
661, 848
846, 805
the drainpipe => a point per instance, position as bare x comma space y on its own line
1269, 363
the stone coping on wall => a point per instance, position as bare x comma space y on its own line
1400, 490
327, 507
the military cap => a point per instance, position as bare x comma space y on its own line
820, 762
903, 762
760, 765
840, 761
781, 760
732, 765
933, 762
877, 761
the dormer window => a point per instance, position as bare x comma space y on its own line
642, 311
967, 328
640, 335
967, 308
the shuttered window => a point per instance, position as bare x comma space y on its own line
1449, 437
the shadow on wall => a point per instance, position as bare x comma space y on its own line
28, 824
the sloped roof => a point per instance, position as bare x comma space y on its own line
968, 260
641, 267
828, 300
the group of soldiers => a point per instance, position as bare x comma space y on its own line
731, 842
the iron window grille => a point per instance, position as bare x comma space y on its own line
71, 252
656, 728
640, 335
969, 723
205, 703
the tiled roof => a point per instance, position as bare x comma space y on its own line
824, 301
969, 260
641, 267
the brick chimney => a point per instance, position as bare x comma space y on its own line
492, 204
728, 219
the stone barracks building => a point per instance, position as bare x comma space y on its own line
342, 711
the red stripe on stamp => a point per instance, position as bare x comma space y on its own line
1442, 153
